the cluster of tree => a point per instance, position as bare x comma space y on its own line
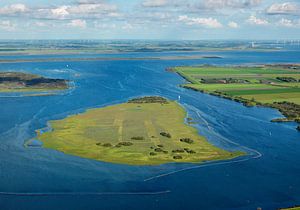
31, 80
42, 80
223, 81
124, 143
165, 134
10, 79
161, 150
104, 144
178, 151
137, 138
177, 157
120, 144
288, 109
149, 99
190, 151
187, 140
287, 79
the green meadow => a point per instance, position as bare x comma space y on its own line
134, 133
267, 85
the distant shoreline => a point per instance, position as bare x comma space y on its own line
109, 59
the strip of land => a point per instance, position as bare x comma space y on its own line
276, 86
24, 82
144, 131
63, 59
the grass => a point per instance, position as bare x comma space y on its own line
249, 85
96, 134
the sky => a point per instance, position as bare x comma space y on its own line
150, 19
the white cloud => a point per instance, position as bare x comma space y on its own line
257, 21
287, 8
60, 12
79, 10
220, 4
155, 3
232, 24
7, 25
13, 9
206, 22
288, 23
78, 23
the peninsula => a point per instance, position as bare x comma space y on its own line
276, 86
24, 82
143, 131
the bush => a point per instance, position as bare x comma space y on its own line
152, 154
124, 144
177, 157
178, 151
160, 145
187, 140
190, 151
158, 150
149, 99
165, 134
137, 138
107, 145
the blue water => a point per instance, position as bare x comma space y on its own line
38, 178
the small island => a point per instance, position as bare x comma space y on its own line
276, 86
143, 131
24, 82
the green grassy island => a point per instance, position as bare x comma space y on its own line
23, 82
276, 86
144, 131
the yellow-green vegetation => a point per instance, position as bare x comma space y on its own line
276, 86
144, 131
295, 208
23, 82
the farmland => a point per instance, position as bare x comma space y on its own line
265, 85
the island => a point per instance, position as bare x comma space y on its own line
143, 131
293, 208
275, 86
25, 82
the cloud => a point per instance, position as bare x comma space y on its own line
13, 9
288, 23
232, 24
221, 4
155, 3
78, 23
78, 10
287, 8
206, 22
257, 21
7, 25
60, 12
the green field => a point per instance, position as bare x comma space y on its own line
133, 133
265, 85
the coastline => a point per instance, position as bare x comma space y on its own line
245, 102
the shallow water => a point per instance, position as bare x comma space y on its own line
37, 178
